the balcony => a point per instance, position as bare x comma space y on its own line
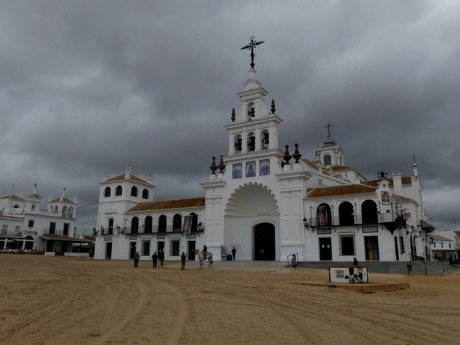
56, 233
104, 231
128, 231
29, 230
387, 219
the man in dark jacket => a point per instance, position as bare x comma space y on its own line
154, 259
183, 257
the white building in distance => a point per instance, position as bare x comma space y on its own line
269, 204
25, 227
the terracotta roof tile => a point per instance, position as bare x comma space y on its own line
64, 200
350, 189
131, 178
427, 226
12, 197
370, 182
400, 198
340, 167
168, 204
440, 238
404, 180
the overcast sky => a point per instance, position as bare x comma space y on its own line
92, 86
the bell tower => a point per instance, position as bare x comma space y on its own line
330, 154
254, 127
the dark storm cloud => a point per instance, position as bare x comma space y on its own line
92, 86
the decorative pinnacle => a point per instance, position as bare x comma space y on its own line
213, 166
296, 154
287, 157
252, 44
221, 165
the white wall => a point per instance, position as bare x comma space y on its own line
239, 232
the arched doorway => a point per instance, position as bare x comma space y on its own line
346, 214
134, 225
369, 212
30, 243
264, 242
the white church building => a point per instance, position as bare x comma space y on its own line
269, 203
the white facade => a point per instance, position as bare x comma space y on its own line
25, 226
129, 221
270, 205
444, 245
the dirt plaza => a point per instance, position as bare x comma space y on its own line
62, 300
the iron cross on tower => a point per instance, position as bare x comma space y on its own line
328, 126
252, 44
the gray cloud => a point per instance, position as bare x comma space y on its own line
92, 86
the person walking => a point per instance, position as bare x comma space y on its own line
183, 257
136, 259
351, 271
161, 257
154, 259
233, 253
293, 262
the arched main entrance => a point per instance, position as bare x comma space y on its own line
251, 215
264, 242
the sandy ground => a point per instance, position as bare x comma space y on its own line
58, 300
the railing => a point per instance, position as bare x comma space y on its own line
19, 232
354, 220
141, 230
109, 231
153, 230
29, 229
54, 232
446, 266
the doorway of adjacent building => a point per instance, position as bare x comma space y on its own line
161, 246
175, 248
264, 242
29, 243
108, 250
132, 250
325, 248
371, 247
191, 250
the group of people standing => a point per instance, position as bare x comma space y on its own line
155, 258
161, 257
227, 256
205, 250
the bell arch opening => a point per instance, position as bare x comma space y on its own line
251, 200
